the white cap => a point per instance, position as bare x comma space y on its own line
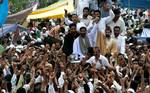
70, 91
39, 40
18, 50
42, 46
79, 25
32, 32
131, 90
44, 28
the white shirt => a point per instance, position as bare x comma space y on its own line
39, 79
103, 21
121, 44
81, 4
102, 25
146, 32
118, 69
19, 47
6, 71
102, 63
27, 87
76, 49
86, 21
117, 86
44, 34
92, 35
61, 80
120, 22
91, 87
51, 88
79, 24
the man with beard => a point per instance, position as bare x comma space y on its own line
100, 29
69, 39
111, 46
120, 40
85, 17
81, 44
118, 21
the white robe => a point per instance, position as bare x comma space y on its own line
86, 21
51, 88
79, 24
146, 32
77, 50
92, 35
80, 6
61, 80
120, 22
102, 24
121, 44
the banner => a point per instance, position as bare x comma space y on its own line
52, 12
7, 28
21, 16
3, 11
51, 7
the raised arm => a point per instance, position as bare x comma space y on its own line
110, 17
67, 21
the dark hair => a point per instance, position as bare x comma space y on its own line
37, 88
18, 42
1, 71
21, 90
148, 41
117, 11
83, 28
71, 25
146, 21
108, 28
27, 78
117, 27
97, 11
74, 15
9, 86
86, 88
8, 77
62, 30
86, 8
90, 51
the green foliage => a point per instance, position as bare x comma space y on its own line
18, 5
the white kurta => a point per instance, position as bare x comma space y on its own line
61, 80
101, 63
51, 88
121, 44
119, 23
92, 35
146, 32
86, 21
103, 22
79, 24
80, 6
77, 49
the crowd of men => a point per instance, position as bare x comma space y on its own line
93, 50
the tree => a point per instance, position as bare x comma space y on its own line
18, 5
